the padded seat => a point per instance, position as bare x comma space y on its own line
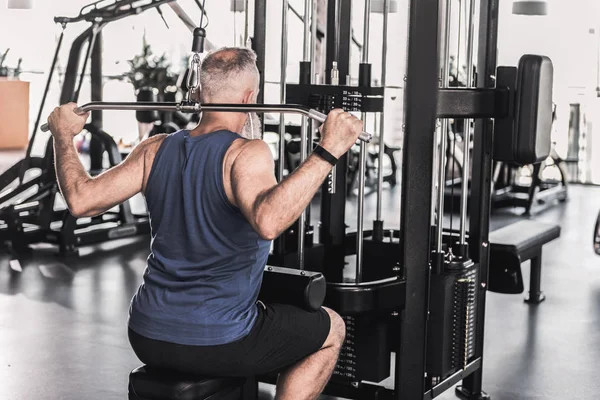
146, 383
512, 245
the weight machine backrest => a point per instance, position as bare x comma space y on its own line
524, 136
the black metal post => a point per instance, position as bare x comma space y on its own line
92, 42
417, 171
96, 146
481, 186
339, 38
333, 225
96, 78
536, 295
259, 43
332, 37
71, 73
345, 40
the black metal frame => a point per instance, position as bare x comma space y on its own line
417, 177
481, 184
332, 231
34, 219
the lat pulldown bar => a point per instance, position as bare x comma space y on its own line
197, 108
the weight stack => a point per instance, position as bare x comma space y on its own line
451, 330
365, 355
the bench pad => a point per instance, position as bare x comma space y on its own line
523, 236
153, 384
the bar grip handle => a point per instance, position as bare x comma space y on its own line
319, 116
78, 111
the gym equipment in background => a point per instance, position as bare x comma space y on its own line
597, 235
534, 187
30, 211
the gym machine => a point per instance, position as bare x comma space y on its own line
428, 307
419, 291
530, 186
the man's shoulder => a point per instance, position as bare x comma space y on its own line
152, 144
251, 148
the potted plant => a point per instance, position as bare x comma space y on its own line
5, 71
150, 71
151, 76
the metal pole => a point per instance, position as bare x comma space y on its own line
92, 40
280, 241
246, 23
467, 139
420, 103
307, 31
259, 44
445, 81
313, 80
480, 185
283, 77
382, 119
313, 35
304, 135
365, 53
362, 163
42, 104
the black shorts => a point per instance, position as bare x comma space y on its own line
281, 336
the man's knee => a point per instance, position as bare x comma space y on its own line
337, 330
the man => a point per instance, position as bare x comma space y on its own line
215, 207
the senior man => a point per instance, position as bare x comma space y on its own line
215, 206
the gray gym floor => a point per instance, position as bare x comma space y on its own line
63, 322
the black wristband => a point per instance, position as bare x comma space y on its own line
325, 155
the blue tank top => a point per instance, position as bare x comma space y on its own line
206, 263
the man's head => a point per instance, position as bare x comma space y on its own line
229, 75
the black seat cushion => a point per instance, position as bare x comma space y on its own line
153, 384
523, 236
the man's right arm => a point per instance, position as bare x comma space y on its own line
270, 207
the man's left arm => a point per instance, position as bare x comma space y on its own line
85, 195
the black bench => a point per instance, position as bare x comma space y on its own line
147, 383
512, 245
280, 285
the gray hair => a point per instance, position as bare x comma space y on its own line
224, 71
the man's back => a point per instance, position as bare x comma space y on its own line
205, 269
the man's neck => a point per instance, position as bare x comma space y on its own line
213, 121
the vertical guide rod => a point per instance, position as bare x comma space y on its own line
445, 81
362, 162
246, 23
304, 135
313, 80
283, 77
382, 117
467, 139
